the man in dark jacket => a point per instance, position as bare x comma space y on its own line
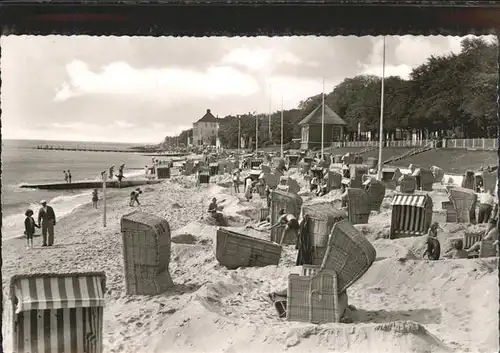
47, 219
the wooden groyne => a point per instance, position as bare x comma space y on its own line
84, 149
91, 184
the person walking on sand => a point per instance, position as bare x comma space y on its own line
134, 197
111, 172
47, 219
69, 176
486, 202
29, 228
236, 182
95, 198
65, 176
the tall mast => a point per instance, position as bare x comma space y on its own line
381, 132
323, 121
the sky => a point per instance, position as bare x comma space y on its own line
141, 89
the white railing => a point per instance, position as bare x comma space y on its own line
478, 144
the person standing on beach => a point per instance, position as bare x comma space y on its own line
29, 228
95, 199
69, 176
134, 197
65, 176
47, 219
486, 203
111, 172
146, 171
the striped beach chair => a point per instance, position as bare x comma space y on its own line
58, 312
411, 215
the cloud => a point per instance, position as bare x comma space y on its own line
260, 59
124, 124
166, 85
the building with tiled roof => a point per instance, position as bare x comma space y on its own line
205, 130
311, 128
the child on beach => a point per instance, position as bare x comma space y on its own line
458, 251
29, 226
65, 176
95, 198
236, 182
69, 176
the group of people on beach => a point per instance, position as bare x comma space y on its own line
67, 176
46, 221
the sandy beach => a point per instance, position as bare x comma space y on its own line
402, 304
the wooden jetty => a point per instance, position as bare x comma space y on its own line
84, 149
91, 184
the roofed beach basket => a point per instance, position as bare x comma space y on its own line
255, 163
57, 312
356, 172
411, 215
163, 172
204, 176
376, 192
372, 162
291, 203
265, 168
146, 253
213, 168
407, 184
334, 181
292, 160
358, 159
234, 250
188, 168
358, 206
451, 214
319, 220
464, 201
337, 159
487, 179
292, 184
319, 294
424, 179
304, 167
468, 180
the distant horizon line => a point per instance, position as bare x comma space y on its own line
128, 143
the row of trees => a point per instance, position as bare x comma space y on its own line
450, 94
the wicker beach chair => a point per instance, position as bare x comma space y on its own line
487, 249
424, 179
464, 202
337, 158
146, 253
376, 192
411, 215
334, 180
372, 162
468, 180
321, 218
451, 214
319, 294
358, 207
291, 203
57, 312
407, 184
234, 250
356, 172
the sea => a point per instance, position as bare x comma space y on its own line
23, 163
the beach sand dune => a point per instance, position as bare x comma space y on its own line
402, 304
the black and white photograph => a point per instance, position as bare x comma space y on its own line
249, 194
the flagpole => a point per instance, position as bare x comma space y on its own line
381, 133
239, 135
282, 127
270, 103
323, 121
256, 134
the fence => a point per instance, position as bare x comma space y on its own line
478, 144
